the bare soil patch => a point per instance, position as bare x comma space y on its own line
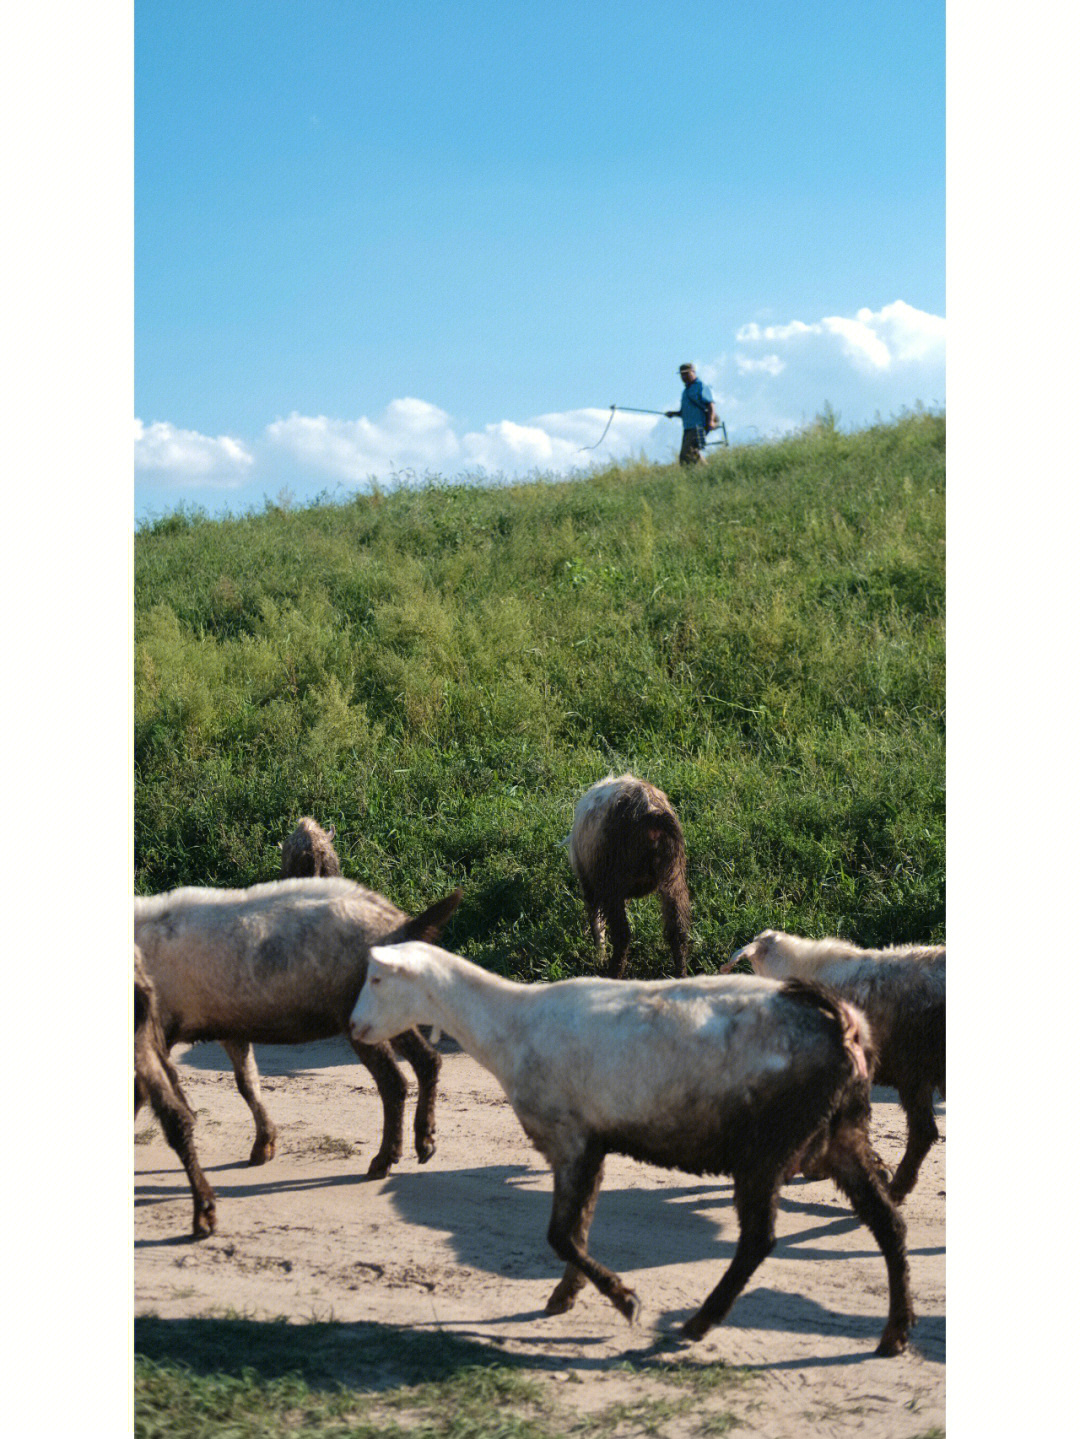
457, 1247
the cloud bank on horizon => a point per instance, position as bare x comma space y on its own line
776, 379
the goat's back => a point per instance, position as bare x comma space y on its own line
628, 827
275, 964
902, 993
672, 1072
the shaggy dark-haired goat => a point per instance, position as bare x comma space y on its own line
309, 852
730, 1075
282, 963
157, 1081
902, 993
626, 841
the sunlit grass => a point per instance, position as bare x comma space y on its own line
441, 672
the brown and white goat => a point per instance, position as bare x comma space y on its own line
157, 1081
309, 852
902, 993
625, 842
282, 963
730, 1075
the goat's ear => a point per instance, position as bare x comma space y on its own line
428, 926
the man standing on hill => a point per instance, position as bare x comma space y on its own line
698, 415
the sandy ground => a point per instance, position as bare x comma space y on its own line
459, 1245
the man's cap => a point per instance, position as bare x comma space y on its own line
686, 367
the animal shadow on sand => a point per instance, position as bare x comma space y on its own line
273, 1059
325, 1354
489, 1218
765, 1308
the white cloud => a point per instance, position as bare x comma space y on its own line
185, 456
411, 435
877, 339
414, 435
776, 378
768, 364
911, 334
873, 362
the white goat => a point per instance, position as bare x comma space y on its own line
902, 993
712, 1076
282, 963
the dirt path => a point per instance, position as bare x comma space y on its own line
459, 1245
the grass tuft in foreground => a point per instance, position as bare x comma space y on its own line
245, 1378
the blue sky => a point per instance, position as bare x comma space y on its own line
377, 242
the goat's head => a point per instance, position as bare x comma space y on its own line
390, 1000
757, 952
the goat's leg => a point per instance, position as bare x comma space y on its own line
675, 909
566, 1291
918, 1105
595, 917
856, 1169
614, 907
379, 1060
574, 1183
247, 1082
161, 1085
755, 1205
426, 1064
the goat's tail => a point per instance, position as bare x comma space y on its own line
853, 1028
666, 836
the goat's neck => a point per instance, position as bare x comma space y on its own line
480, 1010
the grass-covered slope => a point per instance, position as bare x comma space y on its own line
440, 673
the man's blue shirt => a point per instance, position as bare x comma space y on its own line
694, 408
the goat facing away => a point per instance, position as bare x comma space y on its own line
626, 842
309, 852
902, 993
710, 1076
282, 963
157, 1081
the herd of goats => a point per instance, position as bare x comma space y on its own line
759, 1077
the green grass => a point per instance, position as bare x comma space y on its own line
243, 1378
441, 672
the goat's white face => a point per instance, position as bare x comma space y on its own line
381, 1008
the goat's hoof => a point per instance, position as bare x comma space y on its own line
560, 1301
893, 1342
380, 1166
425, 1148
628, 1305
696, 1327
204, 1225
262, 1150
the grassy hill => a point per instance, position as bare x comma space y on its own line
441, 672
